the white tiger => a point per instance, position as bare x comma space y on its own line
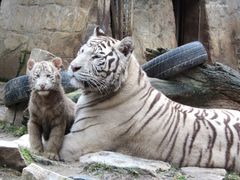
120, 111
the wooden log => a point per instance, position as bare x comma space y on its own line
208, 86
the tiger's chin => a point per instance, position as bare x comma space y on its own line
75, 83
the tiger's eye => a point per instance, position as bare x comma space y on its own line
96, 56
48, 75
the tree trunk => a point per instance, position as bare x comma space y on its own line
210, 86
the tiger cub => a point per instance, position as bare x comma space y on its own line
121, 111
51, 112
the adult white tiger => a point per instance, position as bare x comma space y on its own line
120, 111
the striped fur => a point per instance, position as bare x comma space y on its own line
134, 118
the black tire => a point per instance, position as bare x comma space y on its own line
176, 61
18, 90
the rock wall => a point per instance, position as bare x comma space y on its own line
153, 26
62, 26
224, 31
58, 26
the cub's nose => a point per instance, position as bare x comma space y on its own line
42, 86
75, 68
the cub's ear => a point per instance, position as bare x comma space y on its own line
98, 32
30, 64
57, 62
126, 46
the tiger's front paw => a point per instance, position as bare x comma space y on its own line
51, 155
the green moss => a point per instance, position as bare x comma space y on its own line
14, 130
26, 155
232, 176
99, 169
179, 177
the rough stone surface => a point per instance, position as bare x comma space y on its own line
153, 26
121, 160
224, 38
3, 111
10, 156
1, 92
35, 172
195, 173
15, 114
23, 141
54, 25
147, 169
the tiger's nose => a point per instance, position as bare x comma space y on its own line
75, 68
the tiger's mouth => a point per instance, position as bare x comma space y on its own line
80, 83
85, 84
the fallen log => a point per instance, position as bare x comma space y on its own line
205, 86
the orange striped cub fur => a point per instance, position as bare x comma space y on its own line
120, 111
51, 112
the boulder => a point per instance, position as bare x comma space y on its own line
193, 173
10, 156
35, 172
3, 111
23, 141
15, 113
124, 161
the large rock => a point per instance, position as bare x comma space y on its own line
224, 38
15, 113
195, 173
54, 25
153, 26
3, 108
125, 161
35, 172
10, 156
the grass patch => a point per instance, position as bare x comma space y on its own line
180, 177
14, 130
232, 176
99, 169
26, 155
173, 173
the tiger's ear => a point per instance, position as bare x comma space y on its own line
30, 64
126, 46
98, 32
57, 62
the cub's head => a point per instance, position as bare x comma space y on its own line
44, 76
101, 64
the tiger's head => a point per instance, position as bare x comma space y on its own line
44, 76
101, 64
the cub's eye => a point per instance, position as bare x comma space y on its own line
48, 75
37, 75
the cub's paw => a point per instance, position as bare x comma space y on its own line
51, 155
37, 151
